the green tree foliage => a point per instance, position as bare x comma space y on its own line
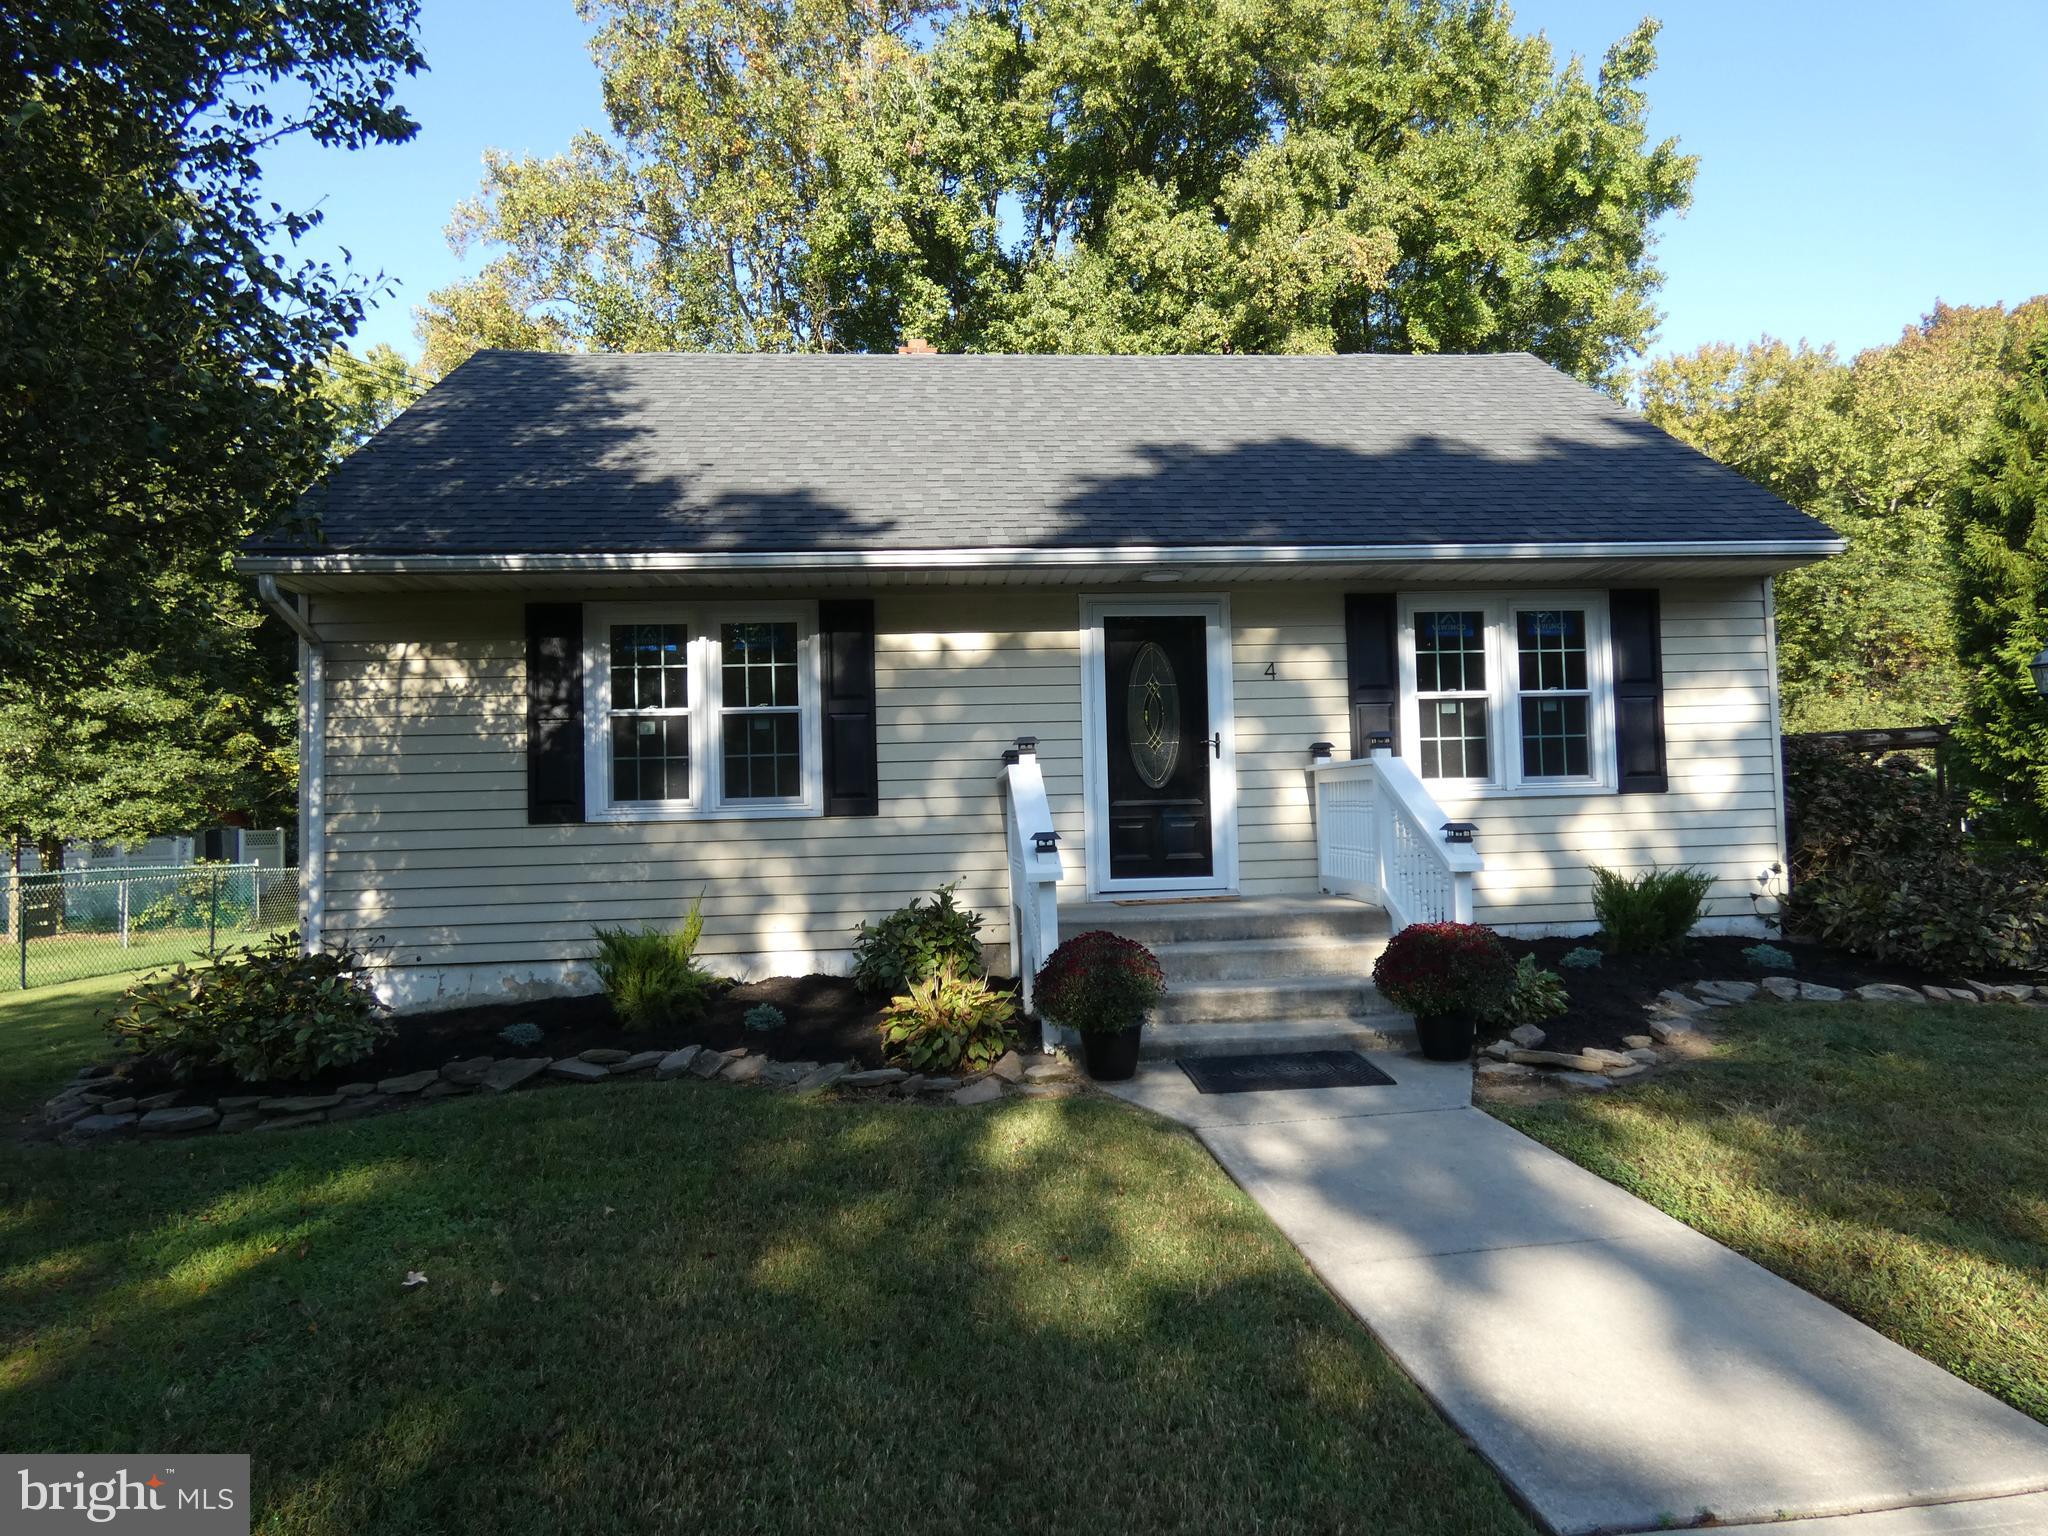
157, 400
1062, 175
1998, 529
362, 394
1874, 448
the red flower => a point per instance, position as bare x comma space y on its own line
1431, 968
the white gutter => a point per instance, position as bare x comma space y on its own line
1124, 556
312, 760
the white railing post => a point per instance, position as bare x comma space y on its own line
1381, 836
1034, 863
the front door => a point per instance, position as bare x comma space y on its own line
1161, 746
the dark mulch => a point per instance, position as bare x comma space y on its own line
825, 1018
1607, 1000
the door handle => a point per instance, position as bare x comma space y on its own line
1216, 741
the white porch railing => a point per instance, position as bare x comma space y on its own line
1381, 836
1034, 864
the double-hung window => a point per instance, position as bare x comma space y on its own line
701, 710
1508, 693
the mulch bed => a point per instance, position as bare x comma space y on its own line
826, 1018
1607, 1000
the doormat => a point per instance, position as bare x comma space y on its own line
1293, 1069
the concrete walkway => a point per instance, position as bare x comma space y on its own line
1619, 1370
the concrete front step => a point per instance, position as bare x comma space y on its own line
1269, 959
1154, 923
1206, 1002
1255, 1037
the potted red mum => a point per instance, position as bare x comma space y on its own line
1101, 984
1446, 974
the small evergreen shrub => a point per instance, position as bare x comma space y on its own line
652, 977
1535, 995
521, 1035
1435, 968
1768, 957
262, 1011
949, 1020
1650, 913
1584, 958
912, 942
763, 1019
1098, 983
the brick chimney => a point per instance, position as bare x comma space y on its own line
917, 346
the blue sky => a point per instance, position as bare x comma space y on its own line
1859, 161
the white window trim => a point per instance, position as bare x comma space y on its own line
1504, 694
707, 712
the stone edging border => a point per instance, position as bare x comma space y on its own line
83, 1114
1676, 1025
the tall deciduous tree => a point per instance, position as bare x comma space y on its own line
1873, 447
1058, 175
1999, 533
158, 361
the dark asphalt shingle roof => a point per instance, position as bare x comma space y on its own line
548, 453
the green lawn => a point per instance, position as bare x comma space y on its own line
687, 1306
78, 956
1893, 1160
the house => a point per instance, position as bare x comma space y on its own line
587, 637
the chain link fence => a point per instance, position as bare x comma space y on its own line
67, 925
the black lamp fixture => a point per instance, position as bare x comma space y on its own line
1459, 831
1319, 750
1379, 741
1044, 842
2039, 667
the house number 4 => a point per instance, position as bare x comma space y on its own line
1269, 669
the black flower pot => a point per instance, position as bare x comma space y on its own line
1114, 1058
1445, 1036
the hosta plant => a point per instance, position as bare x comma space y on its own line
1439, 968
264, 1012
949, 1022
1535, 995
1099, 983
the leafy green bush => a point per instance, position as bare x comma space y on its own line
912, 942
521, 1036
763, 1018
263, 1011
1650, 913
1534, 995
949, 1020
1099, 983
1882, 867
1768, 957
652, 977
1584, 958
1437, 968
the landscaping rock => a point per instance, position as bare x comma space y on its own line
981, 1091
912, 1085
1503, 1071
1527, 1036
604, 1056
639, 1061
1726, 991
1784, 988
1623, 1074
1009, 1067
1050, 1071
504, 1076
2001, 992
97, 1069
707, 1064
162, 1100
1636, 1042
1676, 1003
240, 1101
356, 1090
299, 1105
62, 1116
1814, 992
169, 1122
357, 1108
92, 1127
467, 1074
1604, 1057
577, 1070
446, 1090
291, 1122
1644, 1056
1949, 994
744, 1069
1500, 1050
823, 1077
676, 1063
411, 1082
1890, 992
874, 1077
1589, 1082
937, 1085
786, 1074
240, 1120
1668, 1030
117, 1106
1567, 1059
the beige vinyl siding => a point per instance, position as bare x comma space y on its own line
430, 857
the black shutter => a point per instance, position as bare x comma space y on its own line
554, 713
1638, 691
1375, 670
846, 635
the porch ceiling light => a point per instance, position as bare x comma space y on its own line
2039, 667
1162, 576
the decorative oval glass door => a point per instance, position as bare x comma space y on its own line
1156, 697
